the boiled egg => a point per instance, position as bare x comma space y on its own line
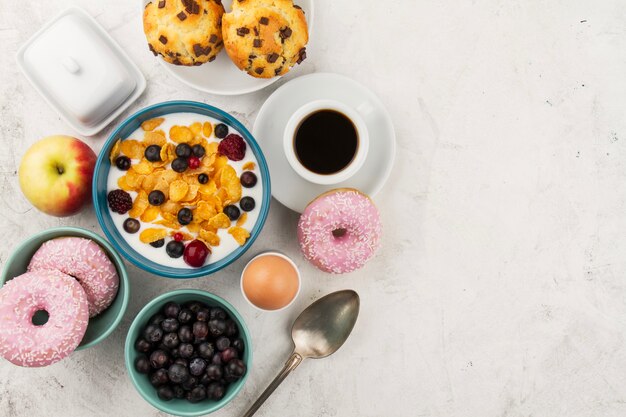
270, 281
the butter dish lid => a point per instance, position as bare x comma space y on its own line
80, 71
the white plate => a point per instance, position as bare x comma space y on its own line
222, 76
287, 186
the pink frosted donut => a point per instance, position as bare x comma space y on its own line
340, 230
26, 344
85, 260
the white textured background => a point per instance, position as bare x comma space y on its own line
500, 289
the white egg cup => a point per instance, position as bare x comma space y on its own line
280, 255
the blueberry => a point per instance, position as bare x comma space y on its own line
198, 150
131, 225
170, 340
157, 319
231, 328
216, 359
217, 327
174, 353
153, 333
203, 178
229, 354
165, 393
215, 391
205, 350
221, 131
122, 163
248, 179
179, 164
185, 216
158, 359
197, 394
204, 380
185, 334
153, 153
222, 343
197, 366
156, 198
142, 364
238, 344
158, 243
159, 377
171, 309
185, 350
190, 383
214, 372
218, 313
169, 325
232, 212
175, 249
183, 150
203, 314
182, 361
236, 367
178, 373
185, 315
229, 378
247, 203
200, 330
194, 306
142, 345
179, 392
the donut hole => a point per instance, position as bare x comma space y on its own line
339, 232
40, 317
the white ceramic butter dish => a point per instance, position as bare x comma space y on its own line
80, 71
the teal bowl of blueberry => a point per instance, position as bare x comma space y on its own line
181, 189
188, 352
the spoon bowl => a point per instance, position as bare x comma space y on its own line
318, 332
325, 325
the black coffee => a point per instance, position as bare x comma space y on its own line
326, 142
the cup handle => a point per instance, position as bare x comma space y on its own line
365, 108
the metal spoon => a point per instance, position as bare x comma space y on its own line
318, 332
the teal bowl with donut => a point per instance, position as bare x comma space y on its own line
99, 326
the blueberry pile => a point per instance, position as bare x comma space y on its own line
190, 352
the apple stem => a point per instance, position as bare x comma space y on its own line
60, 169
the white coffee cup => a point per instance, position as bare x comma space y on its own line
353, 114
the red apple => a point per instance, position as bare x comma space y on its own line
55, 175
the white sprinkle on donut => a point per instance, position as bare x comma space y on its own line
62, 297
340, 231
84, 260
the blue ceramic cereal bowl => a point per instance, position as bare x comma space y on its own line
101, 178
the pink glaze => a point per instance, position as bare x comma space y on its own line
339, 231
85, 260
25, 344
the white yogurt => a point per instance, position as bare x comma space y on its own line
227, 242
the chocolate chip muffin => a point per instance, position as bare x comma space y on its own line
265, 38
184, 32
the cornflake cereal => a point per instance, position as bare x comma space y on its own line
182, 205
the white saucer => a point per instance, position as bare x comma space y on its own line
287, 186
222, 76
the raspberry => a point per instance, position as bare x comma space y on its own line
194, 162
178, 236
119, 201
233, 147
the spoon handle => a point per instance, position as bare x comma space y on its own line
291, 364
